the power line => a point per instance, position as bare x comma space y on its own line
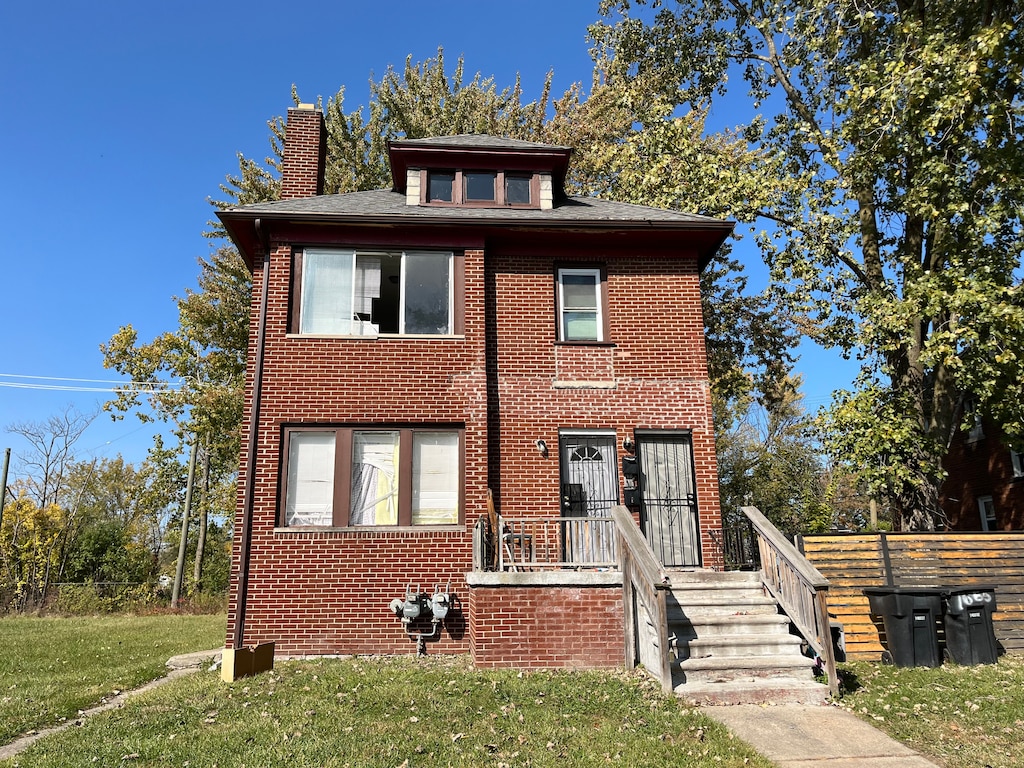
66, 388
78, 385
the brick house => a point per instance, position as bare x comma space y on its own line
471, 330
984, 486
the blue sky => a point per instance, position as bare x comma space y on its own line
120, 119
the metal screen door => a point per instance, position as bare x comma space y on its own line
669, 497
590, 488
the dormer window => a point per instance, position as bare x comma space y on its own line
480, 186
482, 189
517, 190
440, 186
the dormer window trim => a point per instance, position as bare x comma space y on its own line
459, 194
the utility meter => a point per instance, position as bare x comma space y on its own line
413, 605
439, 603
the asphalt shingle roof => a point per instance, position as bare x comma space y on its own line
384, 202
475, 140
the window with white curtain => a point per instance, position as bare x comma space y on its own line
435, 478
356, 293
310, 479
360, 477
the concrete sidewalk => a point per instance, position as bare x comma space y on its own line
802, 736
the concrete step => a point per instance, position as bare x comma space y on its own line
716, 595
685, 578
715, 624
730, 646
748, 668
704, 605
779, 690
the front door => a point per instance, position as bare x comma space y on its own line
590, 488
668, 497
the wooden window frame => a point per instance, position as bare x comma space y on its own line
458, 293
1016, 464
985, 503
341, 506
604, 326
459, 189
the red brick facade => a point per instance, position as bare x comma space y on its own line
503, 380
575, 626
979, 467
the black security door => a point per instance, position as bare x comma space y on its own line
669, 497
590, 488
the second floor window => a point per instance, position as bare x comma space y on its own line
356, 293
580, 316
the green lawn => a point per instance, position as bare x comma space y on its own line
398, 711
966, 717
438, 711
52, 667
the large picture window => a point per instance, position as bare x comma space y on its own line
355, 293
380, 477
580, 300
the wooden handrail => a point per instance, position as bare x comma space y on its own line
794, 559
799, 588
644, 605
644, 558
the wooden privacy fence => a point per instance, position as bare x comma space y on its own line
852, 562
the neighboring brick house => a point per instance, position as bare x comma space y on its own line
984, 487
472, 328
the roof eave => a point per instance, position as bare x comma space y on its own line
243, 226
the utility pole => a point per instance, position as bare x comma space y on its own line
204, 514
3, 483
179, 573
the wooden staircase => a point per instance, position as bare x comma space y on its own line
730, 644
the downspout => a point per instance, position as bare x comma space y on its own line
249, 499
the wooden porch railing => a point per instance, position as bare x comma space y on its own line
644, 606
799, 588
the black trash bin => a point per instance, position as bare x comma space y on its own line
911, 616
970, 636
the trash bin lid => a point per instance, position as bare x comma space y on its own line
969, 590
930, 591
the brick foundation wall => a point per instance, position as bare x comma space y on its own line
534, 626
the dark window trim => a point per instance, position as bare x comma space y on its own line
459, 189
605, 339
458, 290
343, 470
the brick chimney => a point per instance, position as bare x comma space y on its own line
305, 153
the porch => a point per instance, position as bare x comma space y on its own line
590, 592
